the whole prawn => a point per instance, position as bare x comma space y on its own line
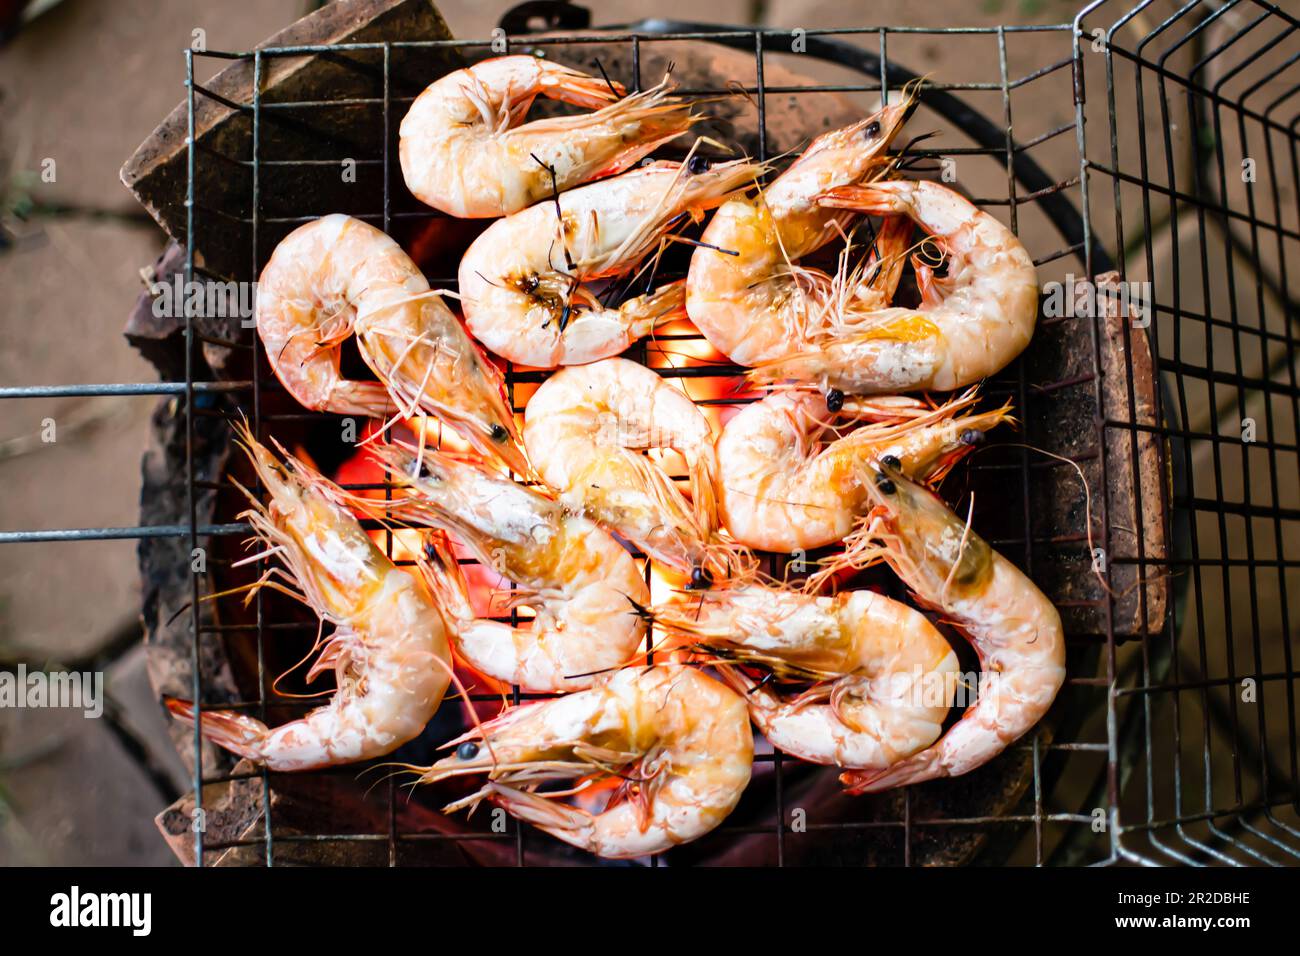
746, 291
882, 677
971, 323
524, 283
678, 740
389, 650
463, 151
790, 478
582, 584
1012, 625
587, 428
338, 275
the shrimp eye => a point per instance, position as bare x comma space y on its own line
834, 400
467, 751
872, 130
971, 436
530, 282
701, 579
698, 164
885, 484
891, 462
499, 433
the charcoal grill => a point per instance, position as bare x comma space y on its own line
1152, 753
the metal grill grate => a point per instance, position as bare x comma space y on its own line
1151, 754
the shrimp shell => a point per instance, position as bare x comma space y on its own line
746, 291
587, 427
336, 275
584, 586
389, 650
525, 282
463, 151
790, 479
885, 677
680, 741
971, 323
1012, 625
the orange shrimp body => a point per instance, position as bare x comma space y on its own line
389, 650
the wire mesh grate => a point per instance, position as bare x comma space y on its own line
1113, 142
1208, 697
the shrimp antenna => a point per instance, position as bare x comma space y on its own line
703, 245
608, 82
918, 138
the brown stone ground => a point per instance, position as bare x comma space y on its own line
74, 790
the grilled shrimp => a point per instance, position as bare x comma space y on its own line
884, 678
463, 151
337, 275
1011, 624
970, 324
587, 427
389, 649
745, 290
523, 282
790, 479
583, 585
678, 740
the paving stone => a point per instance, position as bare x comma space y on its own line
127, 72
68, 286
1236, 621
70, 795
140, 712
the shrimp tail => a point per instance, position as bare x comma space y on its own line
704, 484
238, 733
368, 399
580, 89
915, 769
537, 810
647, 312
657, 116
869, 198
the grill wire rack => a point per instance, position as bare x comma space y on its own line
1180, 743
